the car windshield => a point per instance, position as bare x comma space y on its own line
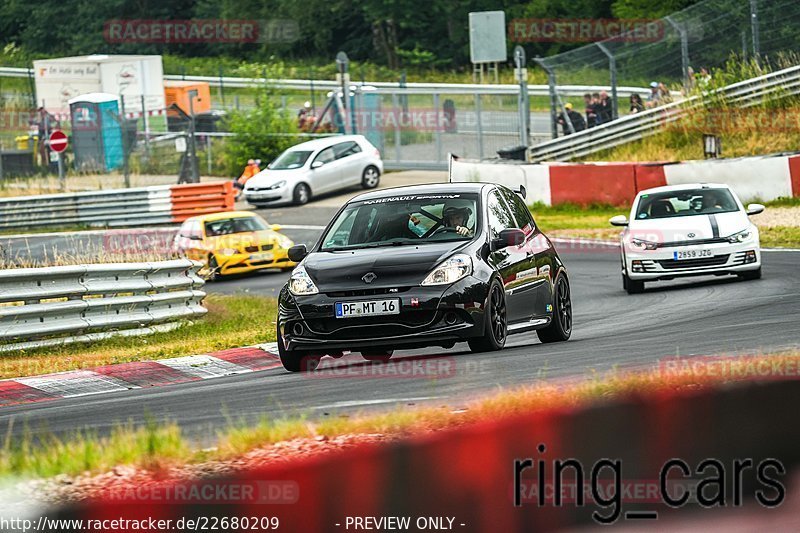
229, 226
685, 203
403, 220
290, 159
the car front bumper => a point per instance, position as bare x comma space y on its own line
429, 316
271, 196
243, 263
661, 264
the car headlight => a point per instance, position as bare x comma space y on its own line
301, 284
643, 244
285, 242
227, 251
450, 271
276, 185
742, 236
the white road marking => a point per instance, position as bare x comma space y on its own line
356, 403
203, 366
79, 383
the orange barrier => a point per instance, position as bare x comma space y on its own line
649, 175
201, 198
468, 474
794, 171
586, 184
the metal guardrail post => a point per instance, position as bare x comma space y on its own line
612, 67
397, 140
438, 131
479, 124
684, 36
522, 101
551, 82
754, 29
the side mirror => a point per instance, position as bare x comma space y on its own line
754, 209
522, 192
619, 220
195, 237
297, 253
317, 164
275, 227
508, 237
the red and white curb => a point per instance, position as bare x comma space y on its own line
137, 375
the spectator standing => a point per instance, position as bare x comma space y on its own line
574, 118
637, 105
663, 93
654, 98
606, 111
591, 115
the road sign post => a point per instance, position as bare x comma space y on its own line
58, 143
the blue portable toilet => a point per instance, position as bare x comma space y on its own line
96, 132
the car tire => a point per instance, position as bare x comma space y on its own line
213, 268
294, 361
382, 356
495, 330
301, 194
633, 286
371, 177
560, 328
751, 275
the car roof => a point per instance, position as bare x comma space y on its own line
684, 186
222, 215
429, 188
324, 142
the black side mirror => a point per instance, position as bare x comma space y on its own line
297, 253
508, 237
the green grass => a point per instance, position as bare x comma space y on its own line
232, 321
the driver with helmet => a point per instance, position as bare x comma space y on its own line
457, 217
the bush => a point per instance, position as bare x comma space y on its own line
260, 133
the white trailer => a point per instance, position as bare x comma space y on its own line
128, 76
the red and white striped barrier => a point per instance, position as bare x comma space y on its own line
136, 375
753, 178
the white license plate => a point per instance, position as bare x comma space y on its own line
691, 254
368, 308
262, 257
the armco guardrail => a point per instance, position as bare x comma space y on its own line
162, 204
408, 88
637, 126
54, 305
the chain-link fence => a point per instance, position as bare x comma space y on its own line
679, 50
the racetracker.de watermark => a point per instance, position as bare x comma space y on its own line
427, 367
259, 492
732, 367
585, 30
200, 31
739, 121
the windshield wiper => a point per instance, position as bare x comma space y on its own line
366, 245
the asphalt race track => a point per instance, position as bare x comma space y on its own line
698, 317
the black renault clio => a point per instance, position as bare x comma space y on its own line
418, 266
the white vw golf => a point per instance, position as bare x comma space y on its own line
688, 230
316, 167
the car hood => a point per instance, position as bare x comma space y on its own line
394, 266
679, 228
268, 177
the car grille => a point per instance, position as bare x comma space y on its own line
672, 264
263, 248
366, 292
371, 326
715, 240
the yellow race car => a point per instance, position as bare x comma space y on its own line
233, 242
